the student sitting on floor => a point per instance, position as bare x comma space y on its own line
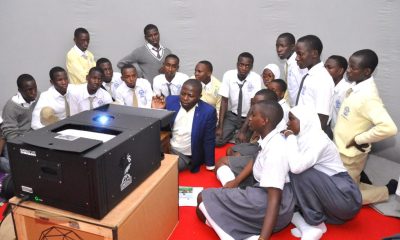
324, 190
267, 206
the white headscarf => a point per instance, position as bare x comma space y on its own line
274, 69
310, 127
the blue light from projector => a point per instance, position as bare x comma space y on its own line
103, 119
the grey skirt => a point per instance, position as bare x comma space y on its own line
240, 212
323, 198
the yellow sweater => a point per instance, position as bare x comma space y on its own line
78, 65
363, 117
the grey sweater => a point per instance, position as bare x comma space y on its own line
16, 119
148, 65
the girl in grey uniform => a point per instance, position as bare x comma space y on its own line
267, 206
324, 190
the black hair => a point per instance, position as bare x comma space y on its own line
96, 69
24, 78
101, 61
55, 70
341, 61
289, 37
172, 56
313, 43
79, 31
282, 84
369, 58
149, 27
267, 94
246, 55
127, 66
271, 110
196, 84
208, 64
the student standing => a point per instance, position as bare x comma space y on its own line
362, 120
79, 59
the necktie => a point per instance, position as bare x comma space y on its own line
158, 52
301, 86
91, 102
66, 105
239, 108
348, 92
169, 88
134, 98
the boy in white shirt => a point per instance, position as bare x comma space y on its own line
134, 91
111, 80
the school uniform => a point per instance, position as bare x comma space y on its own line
112, 86
81, 100
324, 190
209, 93
160, 84
339, 92
78, 64
142, 91
317, 90
293, 76
54, 100
240, 212
230, 89
364, 118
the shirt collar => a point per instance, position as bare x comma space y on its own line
80, 52
282, 101
149, 46
364, 84
315, 68
192, 109
263, 142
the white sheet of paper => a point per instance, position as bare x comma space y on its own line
68, 133
188, 195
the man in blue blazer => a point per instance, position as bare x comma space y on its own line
193, 128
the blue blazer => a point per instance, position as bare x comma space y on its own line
203, 131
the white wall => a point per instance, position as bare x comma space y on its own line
35, 35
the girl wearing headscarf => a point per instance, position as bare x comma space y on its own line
324, 190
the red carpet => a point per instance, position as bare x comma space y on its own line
368, 224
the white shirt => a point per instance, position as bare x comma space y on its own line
317, 90
271, 166
112, 86
181, 139
53, 99
80, 99
230, 89
339, 93
323, 156
153, 52
282, 125
143, 91
294, 76
160, 84
18, 99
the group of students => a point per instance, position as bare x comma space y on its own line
284, 166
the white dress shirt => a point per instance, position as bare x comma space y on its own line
80, 99
112, 86
143, 92
271, 167
230, 89
294, 76
160, 84
317, 90
53, 99
339, 92
181, 139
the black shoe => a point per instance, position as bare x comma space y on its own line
364, 178
392, 186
